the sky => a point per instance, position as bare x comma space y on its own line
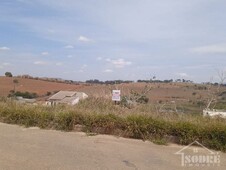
113, 39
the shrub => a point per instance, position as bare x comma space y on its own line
27, 95
48, 93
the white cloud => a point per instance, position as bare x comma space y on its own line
51, 31
119, 63
203, 66
4, 48
69, 47
23, 1
99, 58
84, 66
69, 56
84, 39
108, 71
40, 63
59, 64
81, 71
6, 64
108, 59
45, 53
182, 74
215, 48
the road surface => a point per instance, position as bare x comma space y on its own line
32, 148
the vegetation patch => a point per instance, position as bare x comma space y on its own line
106, 118
27, 95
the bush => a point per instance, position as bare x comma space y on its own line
26, 95
48, 93
143, 99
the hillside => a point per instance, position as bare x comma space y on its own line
180, 93
159, 91
35, 86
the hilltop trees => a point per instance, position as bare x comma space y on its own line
95, 81
8, 74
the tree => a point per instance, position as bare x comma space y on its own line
8, 74
135, 97
214, 90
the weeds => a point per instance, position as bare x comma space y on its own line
98, 116
159, 141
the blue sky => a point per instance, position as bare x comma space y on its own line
113, 39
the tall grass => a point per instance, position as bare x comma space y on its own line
102, 116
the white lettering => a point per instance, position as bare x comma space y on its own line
187, 159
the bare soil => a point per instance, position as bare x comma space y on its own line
35, 86
160, 92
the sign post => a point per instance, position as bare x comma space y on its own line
116, 96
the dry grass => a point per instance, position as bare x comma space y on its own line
98, 115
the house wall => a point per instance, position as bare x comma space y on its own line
75, 101
213, 113
51, 103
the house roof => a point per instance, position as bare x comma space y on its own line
68, 99
68, 96
62, 94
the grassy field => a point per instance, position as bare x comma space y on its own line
98, 115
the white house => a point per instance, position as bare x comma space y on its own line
66, 97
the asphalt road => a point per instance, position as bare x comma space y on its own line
32, 148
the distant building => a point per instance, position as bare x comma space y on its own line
214, 113
66, 97
24, 100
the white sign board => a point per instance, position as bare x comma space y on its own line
116, 95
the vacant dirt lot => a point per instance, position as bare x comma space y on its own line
180, 92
